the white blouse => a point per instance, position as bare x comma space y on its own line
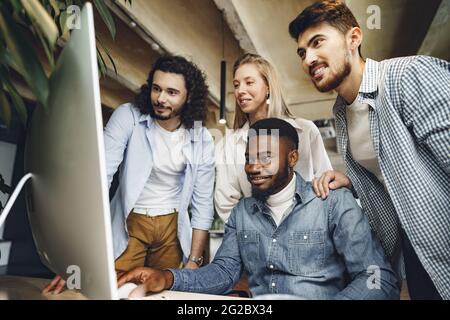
231, 179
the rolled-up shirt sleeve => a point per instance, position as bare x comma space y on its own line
202, 208
220, 275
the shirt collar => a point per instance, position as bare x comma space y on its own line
303, 194
195, 133
369, 82
368, 89
242, 133
146, 118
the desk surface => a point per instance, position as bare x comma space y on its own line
23, 288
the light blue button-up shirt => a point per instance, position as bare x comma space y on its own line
128, 140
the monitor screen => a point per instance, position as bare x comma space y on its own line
67, 199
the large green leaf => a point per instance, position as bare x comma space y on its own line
7, 60
25, 58
55, 6
47, 48
101, 63
42, 20
5, 109
19, 104
108, 54
65, 33
106, 16
17, 49
17, 6
17, 100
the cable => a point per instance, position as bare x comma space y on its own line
13, 197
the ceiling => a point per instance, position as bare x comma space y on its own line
194, 28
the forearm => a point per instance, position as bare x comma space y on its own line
168, 279
199, 238
377, 285
218, 277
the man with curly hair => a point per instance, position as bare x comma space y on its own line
166, 160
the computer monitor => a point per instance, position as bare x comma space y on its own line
67, 198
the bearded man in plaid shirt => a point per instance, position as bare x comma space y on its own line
393, 129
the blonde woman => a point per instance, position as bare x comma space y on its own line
258, 94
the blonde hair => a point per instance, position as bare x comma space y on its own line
277, 106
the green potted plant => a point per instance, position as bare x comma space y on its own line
32, 33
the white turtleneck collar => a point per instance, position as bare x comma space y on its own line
278, 203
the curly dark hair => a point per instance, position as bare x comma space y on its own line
195, 81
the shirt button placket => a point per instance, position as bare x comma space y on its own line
273, 286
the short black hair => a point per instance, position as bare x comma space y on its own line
334, 12
195, 108
284, 129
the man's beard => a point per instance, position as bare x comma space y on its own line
336, 81
159, 117
171, 115
263, 195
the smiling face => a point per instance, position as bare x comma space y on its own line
168, 94
269, 164
325, 56
250, 89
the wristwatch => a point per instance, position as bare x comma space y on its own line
197, 260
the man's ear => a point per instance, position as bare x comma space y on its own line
292, 158
354, 37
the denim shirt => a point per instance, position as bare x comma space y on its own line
129, 141
324, 249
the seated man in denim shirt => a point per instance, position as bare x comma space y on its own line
288, 240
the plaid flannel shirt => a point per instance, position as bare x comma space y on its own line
409, 117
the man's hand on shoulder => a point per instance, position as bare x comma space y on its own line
330, 180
